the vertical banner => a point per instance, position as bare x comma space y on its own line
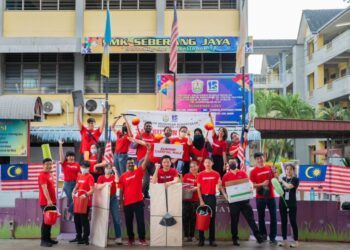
165, 92
13, 137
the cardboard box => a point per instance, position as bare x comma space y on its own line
239, 190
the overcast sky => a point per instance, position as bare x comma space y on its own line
279, 19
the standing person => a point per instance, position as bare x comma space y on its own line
261, 177
200, 148
166, 174
96, 169
189, 206
131, 195
240, 206
122, 145
207, 182
168, 133
47, 200
89, 135
112, 180
83, 190
184, 139
234, 148
70, 169
219, 145
290, 185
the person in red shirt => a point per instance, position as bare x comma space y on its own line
122, 145
189, 206
168, 133
219, 145
112, 179
83, 190
241, 206
131, 195
96, 169
184, 139
166, 174
200, 148
261, 177
47, 200
207, 182
70, 169
89, 135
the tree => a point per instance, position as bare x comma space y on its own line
263, 103
333, 112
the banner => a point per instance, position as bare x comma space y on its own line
165, 92
312, 172
13, 137
175, 120
173, 150
217, 93
201, 44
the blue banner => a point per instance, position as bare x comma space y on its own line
312, 172
14, 172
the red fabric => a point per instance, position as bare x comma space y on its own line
87, 140
85, 182
200, 153
166, 176
219, 147
70, 171
152, 158
122, 144
259, 175
191, 179
234, 146
131, 183
46, 178
186, 147
111, 179
208, 181
93, 162
142, 150
229, 176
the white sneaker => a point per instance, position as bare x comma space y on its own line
294, 244
118, 241
282, 243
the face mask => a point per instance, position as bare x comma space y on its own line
84, 170
198, 141
108, 171
167, 134
93, 151
182, 134
124, 130
233, 166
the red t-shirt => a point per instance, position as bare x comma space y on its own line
142, 150
229, 176
46, 178
200, 153
208, 181
93, 162
191, 179
234, 146
122, 144
87, 140
166, 176
70, 171
219, 147
111, 179
131, 183
85, 182
259, 175
186, 147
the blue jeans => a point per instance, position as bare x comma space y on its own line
120, 160
68, 187
271, 205
114, 208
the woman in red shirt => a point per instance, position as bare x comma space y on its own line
219, 145
96, 169
183, 165
200, 148
70, 169
83, 190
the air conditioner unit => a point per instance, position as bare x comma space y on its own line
52, 108
93, 106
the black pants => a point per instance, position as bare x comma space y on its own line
137, 209
209, 200
261, 205
146, 178
46, 229
242, 207
189, 217
292, 220
82, 225
218, 164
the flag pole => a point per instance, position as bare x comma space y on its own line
106, 81
174, 99
243, 97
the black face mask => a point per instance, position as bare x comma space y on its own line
124, 130
167, 134
198, 141
233, 166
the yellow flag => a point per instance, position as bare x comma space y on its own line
105, 65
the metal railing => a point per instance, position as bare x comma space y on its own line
203, 4
120, 4
40, 5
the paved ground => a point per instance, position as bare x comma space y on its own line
34, 244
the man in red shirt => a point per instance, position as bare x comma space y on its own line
131, 195
184, 139
47, 200
207, 181
166, 174
89, 135
261, 177
241, 206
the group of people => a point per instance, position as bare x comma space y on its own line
205, 169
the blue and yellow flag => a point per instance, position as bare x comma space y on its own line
312, 172
14, 172
107, 40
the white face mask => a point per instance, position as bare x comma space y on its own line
84, 170
93, 151
108, 171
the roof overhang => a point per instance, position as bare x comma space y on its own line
21, 108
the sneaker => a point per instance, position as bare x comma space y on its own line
83, 242
53, 242
282, 243
130, 243
294, 245
75, 240
236, 243
259, 239
143, 243
45, 244
118, 241
273, 242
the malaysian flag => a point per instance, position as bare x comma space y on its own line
335, 182
22, 177
173, 43
108, 156
241, 152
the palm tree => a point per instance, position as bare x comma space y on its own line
332, 111
262, 100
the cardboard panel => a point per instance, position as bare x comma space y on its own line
101, 197
157, 193
162, 236
174, 234
175, 199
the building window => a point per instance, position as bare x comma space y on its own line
40, 4
120, 4
39, 73
311, 84
129, 73
202, 4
